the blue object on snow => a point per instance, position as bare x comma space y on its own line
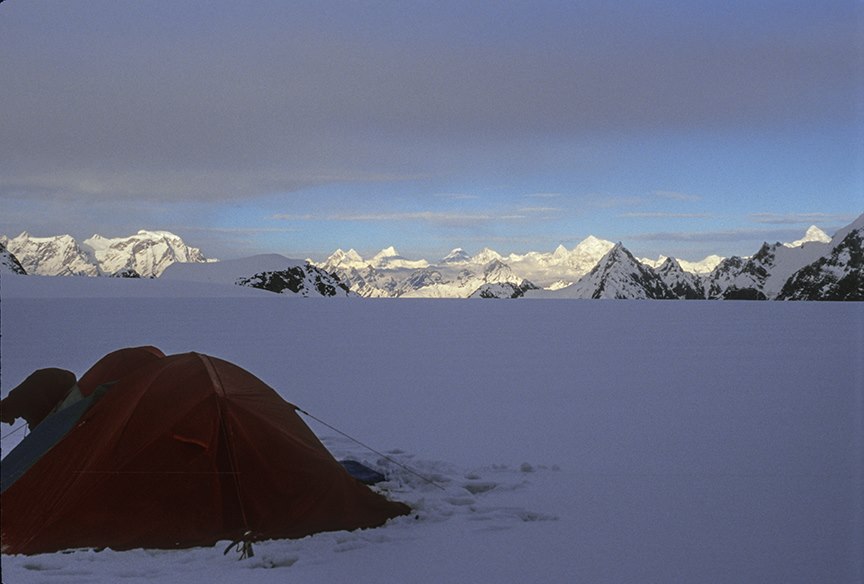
362, 473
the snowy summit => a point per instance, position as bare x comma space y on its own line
148, 253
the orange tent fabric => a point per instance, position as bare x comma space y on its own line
116, 365
183, 451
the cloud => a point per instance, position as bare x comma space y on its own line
665, 215
214, 184
730, 235
602, 201
543, 196
801, 218
457, 196
222, 100
235, 230
440, 217
386, 217
676, 196
301, 217
539, 210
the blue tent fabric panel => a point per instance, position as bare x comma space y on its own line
43, 437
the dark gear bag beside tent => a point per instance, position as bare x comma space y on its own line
175, 451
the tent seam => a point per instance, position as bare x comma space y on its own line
226, 432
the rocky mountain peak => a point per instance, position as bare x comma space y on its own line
812, 234
148, 253
457, 255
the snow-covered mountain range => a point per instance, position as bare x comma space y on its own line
459, 275
617, 275
147, 254
813, 267
839, 275
595, 268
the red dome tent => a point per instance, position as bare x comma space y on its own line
177, 451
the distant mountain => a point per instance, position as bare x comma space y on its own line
503, 290
728, 276
344, 260
369, 282
59, 255
814, 266
618, 275
228, 271
485, 255
455, 280
466, 281
126, 273
9, 264
765, 273
271, 272
458, 274
457, 256
700, 268
838, 275
305, 281
813, 234
386, 259
545, 269
148, 253
684, 285
389, 258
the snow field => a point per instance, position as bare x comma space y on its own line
576, 441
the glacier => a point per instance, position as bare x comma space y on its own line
575, 441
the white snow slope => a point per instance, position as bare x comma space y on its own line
575, 441
229, 271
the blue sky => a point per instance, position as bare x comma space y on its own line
682, 128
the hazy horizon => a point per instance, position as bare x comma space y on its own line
782, 236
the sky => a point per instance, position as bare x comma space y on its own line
681, 128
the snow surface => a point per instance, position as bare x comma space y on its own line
56, 287
576, 441
229, 271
